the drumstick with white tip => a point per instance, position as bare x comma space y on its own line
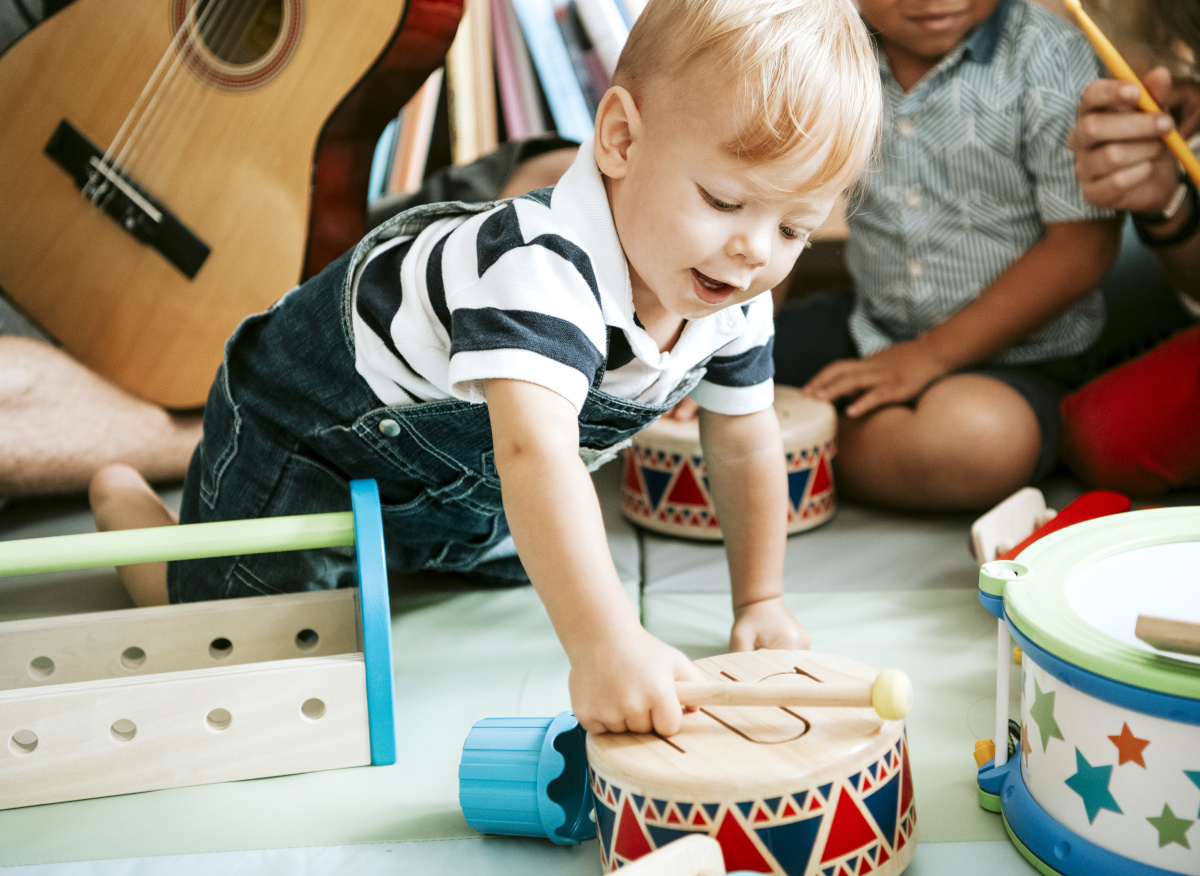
889, 694
1121, 69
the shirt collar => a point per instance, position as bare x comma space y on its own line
582, 201
981, 45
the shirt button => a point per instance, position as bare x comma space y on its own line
390, 428
912, 198
905, 128
915, 268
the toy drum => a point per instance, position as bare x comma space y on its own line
791, 790
665, 485
1107, 776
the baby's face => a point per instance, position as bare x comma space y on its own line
702, 229
927, 29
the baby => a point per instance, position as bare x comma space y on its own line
478, 360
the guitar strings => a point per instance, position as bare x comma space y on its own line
108, 161
145, 123
162, 111
216, 29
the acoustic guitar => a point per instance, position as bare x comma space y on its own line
168, 167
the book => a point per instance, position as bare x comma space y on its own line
520, 98
470, 87
381, 161
413, 136
607, 29
582, 54
564, 94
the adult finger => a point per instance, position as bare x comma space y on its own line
1097, 128
1107, 96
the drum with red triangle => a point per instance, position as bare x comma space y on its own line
794, 791
664, 486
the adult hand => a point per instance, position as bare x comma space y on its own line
1120, 158
894, 375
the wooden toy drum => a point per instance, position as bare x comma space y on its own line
665, 484
801, 791
1107, 777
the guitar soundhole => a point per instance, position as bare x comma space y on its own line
239, 33
236, 44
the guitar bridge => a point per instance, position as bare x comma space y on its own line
127, 203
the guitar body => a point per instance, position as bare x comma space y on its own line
229, 148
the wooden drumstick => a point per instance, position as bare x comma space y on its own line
890, 694
1167, 634
1111, 57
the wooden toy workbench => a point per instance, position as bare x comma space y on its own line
139, 699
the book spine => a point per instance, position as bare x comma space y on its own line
563, 91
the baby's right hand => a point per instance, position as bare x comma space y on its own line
630, 686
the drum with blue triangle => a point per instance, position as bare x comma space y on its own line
794, 791
664, 486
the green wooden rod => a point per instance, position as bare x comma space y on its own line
187, 542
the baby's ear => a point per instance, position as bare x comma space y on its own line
618, 123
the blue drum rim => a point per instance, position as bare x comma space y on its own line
1183, 710
1039, 835
1030, 607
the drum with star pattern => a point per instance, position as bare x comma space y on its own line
1107, 775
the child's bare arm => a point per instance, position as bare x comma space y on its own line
622, 678
1064, 265
745, 460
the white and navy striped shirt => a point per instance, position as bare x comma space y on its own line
974, 165
537, 289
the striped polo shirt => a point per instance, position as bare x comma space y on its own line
974, 164
537, 289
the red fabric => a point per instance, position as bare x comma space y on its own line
1136, 429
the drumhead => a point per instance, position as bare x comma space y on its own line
1084, 587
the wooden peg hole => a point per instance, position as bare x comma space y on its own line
123, 730
313, 709
307, 639
41, 667
133, 657
220, 648
23, 742
219, 719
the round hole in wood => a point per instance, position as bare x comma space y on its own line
307, 639
313, 709
133, 657
219, 719
23, 742
123, 730
41, 667
220, 648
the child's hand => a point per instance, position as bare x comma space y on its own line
892, 376
686, 409
767, 624
631, 686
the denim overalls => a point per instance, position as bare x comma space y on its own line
289, 422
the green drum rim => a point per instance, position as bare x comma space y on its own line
1037, 605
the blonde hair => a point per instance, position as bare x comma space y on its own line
805, 69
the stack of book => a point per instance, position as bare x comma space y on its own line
517, 68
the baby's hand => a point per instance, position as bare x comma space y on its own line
631, 686
892, 376
767, 624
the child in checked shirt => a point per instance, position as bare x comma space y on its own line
975, 259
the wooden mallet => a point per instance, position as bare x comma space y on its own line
890, 694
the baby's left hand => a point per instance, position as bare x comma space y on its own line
767, 624
892, 376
